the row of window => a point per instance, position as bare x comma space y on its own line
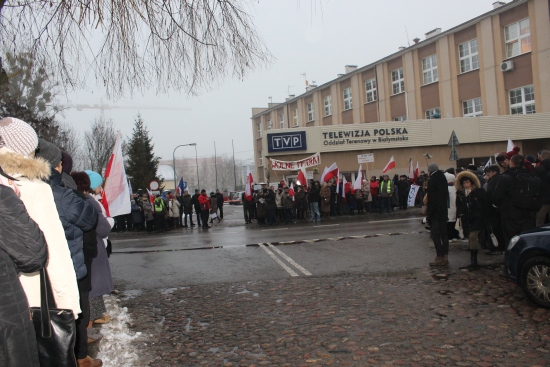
522, 101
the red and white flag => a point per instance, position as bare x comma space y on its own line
510, 146
390, 165
332, 172
116, 196
412, 179
344, 184
248, 187
291, 190
301, 178
151, 197
416, 172
359, 180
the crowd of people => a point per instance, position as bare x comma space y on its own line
51, 219
487, 208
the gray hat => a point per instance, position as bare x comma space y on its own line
433, 167
49, 152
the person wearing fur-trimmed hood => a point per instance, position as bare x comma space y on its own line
471, 207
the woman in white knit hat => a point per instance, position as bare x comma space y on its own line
18, 142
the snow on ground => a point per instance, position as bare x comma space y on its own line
116, 348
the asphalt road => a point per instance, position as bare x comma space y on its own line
231, 252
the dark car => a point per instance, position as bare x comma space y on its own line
528, 261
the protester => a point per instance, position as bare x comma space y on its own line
313, 199
248, 208
271, 206
148, 214
437, 213
197, 206
261, 209
386, 194
279, 205
204, 202
137, 215
19, 144
174, 211
367, 196
214, 208
23, 249
452, 233
187, 209
301, 203
374, 190
494, 227
471, 209
219, 196
160, 213
288, 205
403, 191
542, 171
325, 200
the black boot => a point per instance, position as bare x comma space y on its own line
473, 260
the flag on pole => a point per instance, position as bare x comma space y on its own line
151, 197
116, 196
411, 171
332, 172
359, 180
130, 188
344, 182
248, 187
324, 174
179, 188
416, 172
291, 190
510, 145
301, 178
390, 165
488, 163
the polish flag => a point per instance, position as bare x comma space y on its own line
344, 183
151, 197
248, 187
324, 174
359, 180
116, 196
291, 190
416, 172
332, 172
411, 172
390, 165
510, 145
301, 178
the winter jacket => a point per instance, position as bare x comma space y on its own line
102, 281
288, 203
136, 213
542, 171
261, 209
402, 187
213, 204
196, 203
270, 199
301, 200
374, 186
325, 199
367, 194
471, 207
174, 208
438, 197
313, 194
204, 202
279, 200
38, 199
77, 216
219, 196
187, 204
386, 189
22, 249
147, 210
502, 196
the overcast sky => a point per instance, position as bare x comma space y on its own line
317, 37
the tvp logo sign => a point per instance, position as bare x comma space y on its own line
281, 142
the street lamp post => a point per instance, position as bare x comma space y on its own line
174, 162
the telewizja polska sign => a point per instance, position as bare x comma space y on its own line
364, 136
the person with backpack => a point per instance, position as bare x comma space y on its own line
160, 213
518, 198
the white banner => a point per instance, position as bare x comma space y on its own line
310, 161
365, 158
412, 195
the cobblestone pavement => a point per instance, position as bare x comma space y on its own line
428, 319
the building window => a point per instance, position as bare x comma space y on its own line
433, 113
522, 100
269, 124
328, 106
518, 38
429, 69
295, 117
281, 121
260, 130
469, 59
347, 99
261, 158
310, 112
370, 88
397, 81
472, 108
400, 118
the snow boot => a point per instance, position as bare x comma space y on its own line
439, 261
473, 260
89, 362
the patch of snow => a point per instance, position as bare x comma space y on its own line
243, 291
116, 349
168, 290
131, 293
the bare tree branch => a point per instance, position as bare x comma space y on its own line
100, 140
166, 44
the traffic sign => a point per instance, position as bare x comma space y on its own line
453, 140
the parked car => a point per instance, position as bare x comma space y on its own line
528, 261
237, 198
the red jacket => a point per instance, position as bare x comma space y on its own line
204, 200
374, 188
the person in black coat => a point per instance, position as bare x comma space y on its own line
403, 191
437, 213
314, 197
219, 200
22, 249
542, 171
197, 206
471, 204
492, 176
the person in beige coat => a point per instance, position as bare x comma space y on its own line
19, 142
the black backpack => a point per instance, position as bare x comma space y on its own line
525, 191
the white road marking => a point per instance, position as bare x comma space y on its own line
274, 229
392, 220
278, 261
287, 258
328, 225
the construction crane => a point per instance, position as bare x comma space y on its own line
103, 106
